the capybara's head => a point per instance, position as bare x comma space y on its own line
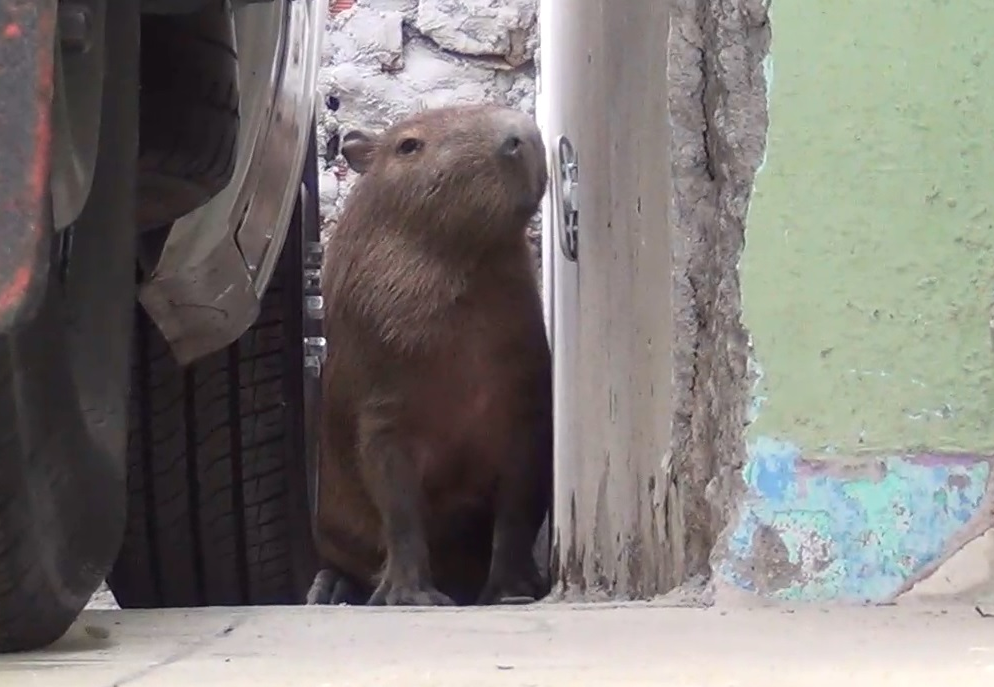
460, 169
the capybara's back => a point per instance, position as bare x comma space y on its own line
436, 440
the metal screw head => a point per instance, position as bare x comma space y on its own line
313, 254
312, 279
314, 306
75, 26
315, 352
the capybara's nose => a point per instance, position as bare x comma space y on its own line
511, 147
518, 132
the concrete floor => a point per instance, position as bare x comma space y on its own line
541, 646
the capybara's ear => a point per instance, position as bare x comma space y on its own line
358, 149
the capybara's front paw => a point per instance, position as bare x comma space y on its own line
332, 587
389, 594
522, 585
322, 587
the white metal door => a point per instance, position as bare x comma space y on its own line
603, 85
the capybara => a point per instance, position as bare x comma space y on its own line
435, 465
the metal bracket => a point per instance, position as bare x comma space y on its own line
315, 344
569, 180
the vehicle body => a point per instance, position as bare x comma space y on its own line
158, 205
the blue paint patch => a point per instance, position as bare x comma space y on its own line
771, 468
842, 529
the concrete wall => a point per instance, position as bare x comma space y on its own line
867, 285
384, 59
718, 112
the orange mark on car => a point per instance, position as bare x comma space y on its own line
12, 293
24, 225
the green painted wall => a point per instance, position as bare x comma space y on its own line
868, 272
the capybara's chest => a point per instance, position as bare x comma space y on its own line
468, 405
463, 396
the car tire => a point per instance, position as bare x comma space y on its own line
64, 387
189, 111
217, 474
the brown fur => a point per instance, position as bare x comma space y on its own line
436, 443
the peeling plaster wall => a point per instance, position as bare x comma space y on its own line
867, 287
384, 59
853, 529
718, 113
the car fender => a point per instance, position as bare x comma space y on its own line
217, 261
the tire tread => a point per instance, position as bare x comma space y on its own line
209, 521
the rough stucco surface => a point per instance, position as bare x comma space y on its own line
719, 116
481, 27
385, 59
868, 281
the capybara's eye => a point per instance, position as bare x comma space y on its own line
409, 145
